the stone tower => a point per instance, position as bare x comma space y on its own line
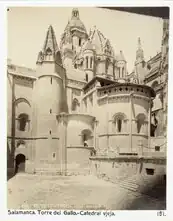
48, 102
73, 38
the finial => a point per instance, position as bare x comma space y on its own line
139, 42
75, 12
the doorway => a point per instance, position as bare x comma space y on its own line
20, 163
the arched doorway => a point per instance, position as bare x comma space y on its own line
87, 137
20, 163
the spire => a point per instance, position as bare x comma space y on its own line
139, 43
50, 47
139, 52
50, 44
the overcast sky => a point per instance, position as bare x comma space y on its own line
27, 27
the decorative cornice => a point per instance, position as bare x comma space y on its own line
80, 147
27, 138
125, 98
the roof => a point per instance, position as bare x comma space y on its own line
100, 79
21, 71
50, 41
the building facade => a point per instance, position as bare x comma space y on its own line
81, 103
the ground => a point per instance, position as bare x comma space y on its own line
74, 192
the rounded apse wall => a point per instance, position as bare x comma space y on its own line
80, 128
123, 117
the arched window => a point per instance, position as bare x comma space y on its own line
87, 62
86, 77
87, 137
154, 84
58, 58
80, 41
119, 122
140, 120
107, 65
119, 72
75, 104
23, 121
91, 62
154, 125
123, 72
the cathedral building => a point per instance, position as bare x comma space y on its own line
80, 104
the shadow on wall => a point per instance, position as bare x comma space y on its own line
156, 190
10, 172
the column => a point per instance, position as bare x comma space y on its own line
149, 123
63, 119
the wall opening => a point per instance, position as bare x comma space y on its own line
86, 62
20, 163
149, 171
91, 62
80, 41
154, 125
21, 143
75, 105
119, 122
23, 120
86, 77
87, 138
140, 122
157, 148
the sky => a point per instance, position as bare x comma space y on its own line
27, 27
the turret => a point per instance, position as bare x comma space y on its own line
74, 36
89, 63
121, 71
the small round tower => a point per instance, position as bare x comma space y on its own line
48, 101
121, 68
89, 61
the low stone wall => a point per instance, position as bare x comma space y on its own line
114, 168
122, 167
78, 160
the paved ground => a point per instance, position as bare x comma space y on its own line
73, 192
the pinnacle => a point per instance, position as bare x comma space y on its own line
50, 41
